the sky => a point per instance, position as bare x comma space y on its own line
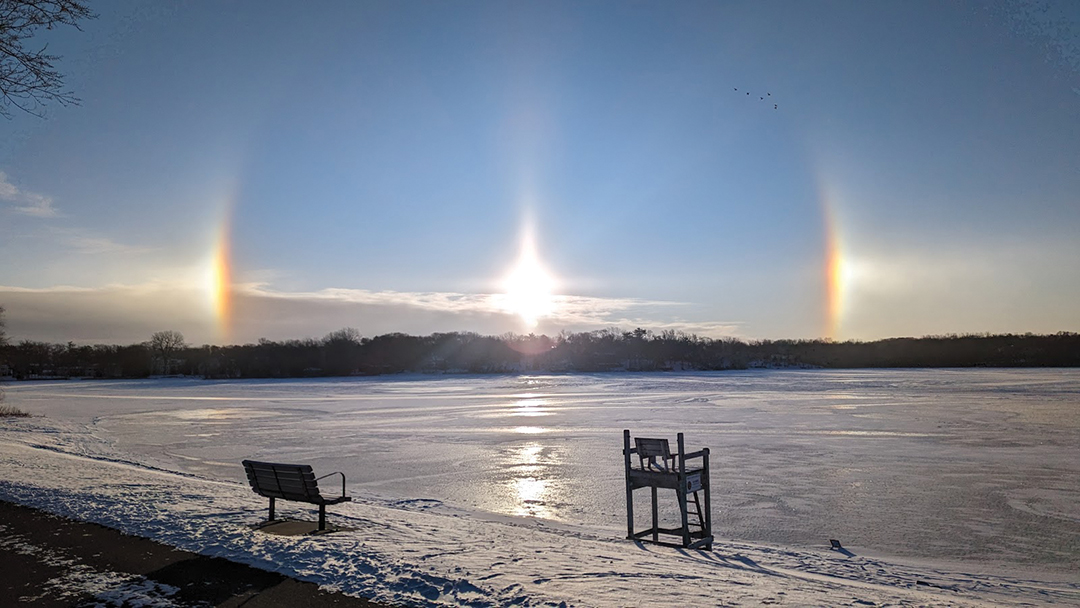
849, 170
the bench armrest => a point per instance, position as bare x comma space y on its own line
335, 473
694, 455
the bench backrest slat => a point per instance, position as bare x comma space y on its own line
647, 447
287, 481
649, 450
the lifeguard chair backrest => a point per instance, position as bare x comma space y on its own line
649, 449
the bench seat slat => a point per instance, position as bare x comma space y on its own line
285, 487
287, 494
288, 489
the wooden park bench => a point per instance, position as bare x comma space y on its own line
295, 482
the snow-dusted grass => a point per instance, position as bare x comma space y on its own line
10, 411
496, 491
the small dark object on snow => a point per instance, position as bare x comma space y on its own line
835, 544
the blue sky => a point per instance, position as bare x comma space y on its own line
378, 165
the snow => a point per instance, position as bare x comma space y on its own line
949, 488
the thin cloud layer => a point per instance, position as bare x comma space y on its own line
129, 314
974, 290
24, 202
89, 245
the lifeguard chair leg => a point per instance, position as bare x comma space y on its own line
629, 486
683, 506
655, 518
708, 501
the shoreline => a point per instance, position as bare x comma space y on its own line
417, 374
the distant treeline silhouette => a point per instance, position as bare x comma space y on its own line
346, 353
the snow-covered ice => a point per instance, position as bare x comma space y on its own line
949, 487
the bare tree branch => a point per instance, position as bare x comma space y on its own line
28, 79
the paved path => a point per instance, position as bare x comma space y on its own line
51, 561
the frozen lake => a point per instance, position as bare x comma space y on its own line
965, 465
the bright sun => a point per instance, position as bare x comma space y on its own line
529, 287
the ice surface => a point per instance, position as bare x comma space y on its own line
485, 490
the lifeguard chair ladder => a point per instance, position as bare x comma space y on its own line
659, 468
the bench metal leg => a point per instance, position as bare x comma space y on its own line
271, 518
322, 517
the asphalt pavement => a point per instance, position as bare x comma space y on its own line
47, 560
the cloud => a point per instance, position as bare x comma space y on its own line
8, 192
125, 314
93, 245
487, 313
37, 206
568, 306
26, 203
113, 314
997, 288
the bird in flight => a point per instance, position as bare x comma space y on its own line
767, 94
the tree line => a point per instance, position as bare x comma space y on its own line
347, 353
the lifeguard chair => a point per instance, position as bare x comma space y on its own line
659, 468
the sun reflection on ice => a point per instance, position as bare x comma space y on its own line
531, 490
530, 407
530, 430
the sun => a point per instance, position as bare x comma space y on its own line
529, 287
